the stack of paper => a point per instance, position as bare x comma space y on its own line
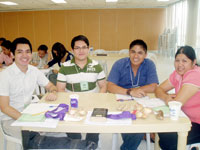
33, 116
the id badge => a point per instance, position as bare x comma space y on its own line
84, 86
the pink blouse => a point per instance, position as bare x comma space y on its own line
192, 106
5, 58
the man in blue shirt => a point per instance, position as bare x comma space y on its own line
135, 75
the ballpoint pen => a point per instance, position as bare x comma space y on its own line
121, 100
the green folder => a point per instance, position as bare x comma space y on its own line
32, 118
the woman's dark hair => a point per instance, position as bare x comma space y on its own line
20, 40
2, 39
7, 44
187, 51
79, 38
60, 49
139, 42
43, 48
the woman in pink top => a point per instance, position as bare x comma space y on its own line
6, 56
186, 82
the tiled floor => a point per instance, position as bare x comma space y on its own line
164, 68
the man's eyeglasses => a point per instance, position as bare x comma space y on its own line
79, 48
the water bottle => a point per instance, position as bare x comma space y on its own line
91, 50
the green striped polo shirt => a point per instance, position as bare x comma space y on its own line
71, 74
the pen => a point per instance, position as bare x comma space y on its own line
42, 111
121, 100
38, 113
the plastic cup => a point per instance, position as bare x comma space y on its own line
74, 100
174, 108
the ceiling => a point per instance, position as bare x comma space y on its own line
28, 5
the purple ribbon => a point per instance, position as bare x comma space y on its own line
123, 115
59, 112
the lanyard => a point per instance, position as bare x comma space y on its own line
78, 73
138, 80
123, 115
58, 113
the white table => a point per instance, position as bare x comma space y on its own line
106, 100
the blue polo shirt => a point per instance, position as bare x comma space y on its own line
122, 75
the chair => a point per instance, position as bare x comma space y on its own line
195, 145
7, 138
99, 51
124, 51
152, 56
39, 90
104, 66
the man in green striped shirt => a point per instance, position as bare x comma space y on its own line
82, 74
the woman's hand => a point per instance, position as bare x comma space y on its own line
169, 97
46, 66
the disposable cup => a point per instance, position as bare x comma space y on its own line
174, 108
74, 100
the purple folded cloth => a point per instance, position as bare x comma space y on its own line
123, 115
58, 113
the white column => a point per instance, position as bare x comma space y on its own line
192, 17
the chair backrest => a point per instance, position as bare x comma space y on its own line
152, 56
193, 146
99, 51
124, 51
9, 138
103, 64
40, 90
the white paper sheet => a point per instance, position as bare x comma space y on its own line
48, 123
108, 121
153, 102
37, 108
128, 97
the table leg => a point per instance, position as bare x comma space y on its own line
114, 141
182, 140
148, 141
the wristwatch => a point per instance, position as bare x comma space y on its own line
128, 92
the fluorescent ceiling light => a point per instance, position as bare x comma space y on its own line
162, 0
111, 1
59, 1
8, 3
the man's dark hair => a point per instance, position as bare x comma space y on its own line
20, 40
79, 38
139, 42
43, 48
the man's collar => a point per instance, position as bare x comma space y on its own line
88, 60
17, 70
